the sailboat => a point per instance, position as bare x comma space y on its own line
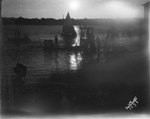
68, 29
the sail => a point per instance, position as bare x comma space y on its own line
68, 29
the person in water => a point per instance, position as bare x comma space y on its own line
18, 80
56, 40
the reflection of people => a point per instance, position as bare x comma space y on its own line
18, 84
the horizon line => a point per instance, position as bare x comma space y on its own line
72, 18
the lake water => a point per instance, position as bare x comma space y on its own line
101, 86
41, 63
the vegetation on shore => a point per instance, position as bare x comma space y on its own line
52, 21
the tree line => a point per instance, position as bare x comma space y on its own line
52, 21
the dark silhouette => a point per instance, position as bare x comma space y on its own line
68, 29
18, 83
56, 41
20, 70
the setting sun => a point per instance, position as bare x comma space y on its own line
74, 5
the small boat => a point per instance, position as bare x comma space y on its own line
68, 29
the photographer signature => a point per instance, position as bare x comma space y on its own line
132, 104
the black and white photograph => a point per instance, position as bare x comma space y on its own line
74, 59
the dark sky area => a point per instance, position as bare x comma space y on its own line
77, 8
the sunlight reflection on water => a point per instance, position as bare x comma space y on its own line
38, 61
75, 61
77, 39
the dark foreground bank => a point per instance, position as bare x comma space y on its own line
107, 87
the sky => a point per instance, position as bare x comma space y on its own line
78, 9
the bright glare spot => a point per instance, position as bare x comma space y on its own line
77, 39
74, 5
75, 61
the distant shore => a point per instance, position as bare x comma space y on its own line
52, 21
